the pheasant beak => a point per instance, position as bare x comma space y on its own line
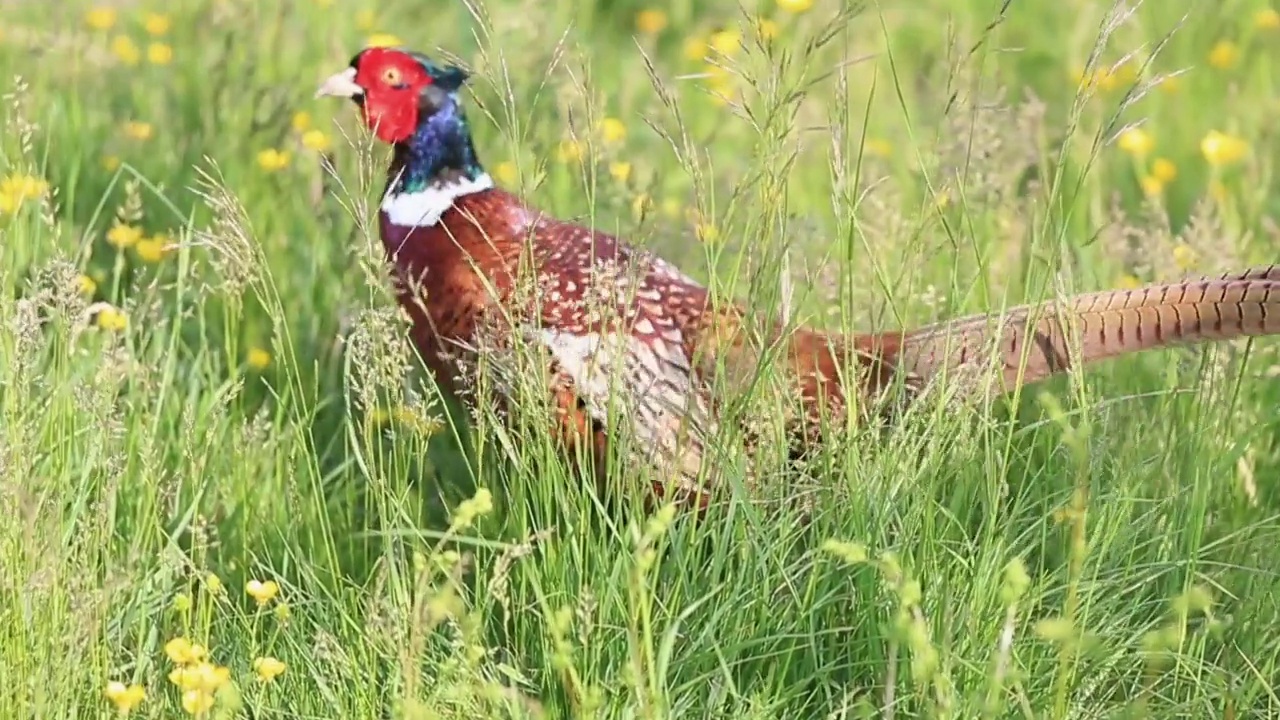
341, 84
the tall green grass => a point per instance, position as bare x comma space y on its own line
1097, 546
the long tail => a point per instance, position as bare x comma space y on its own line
1031, 342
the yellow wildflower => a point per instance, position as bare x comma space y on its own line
1164, 170
195, 702
262, 591
125, 698
110, 318
612, 130
695, 47
86, 285
726, 42
878, 147
159, 53
315, 140
1224, 55
257, 359
620, 171
15, 190
213, 584
766, 29
1136, 141
671, 207
102, 18
1221, 149
1128, 281
365, 19
651, 22
1267, 19
268, 668
505, 172
273, 160
184, 652
201, 676
156, 24
138, 130
569, 151
110, 162
795, 6
1170, 83
122, 235
706, 232
153, 249
1151, 186
383, 40
1185, 256
301, 121
126, 50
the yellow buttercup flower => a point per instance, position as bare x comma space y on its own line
1224, 55
86, 285
505, 172
878, 147
159, 53
156, 24
1184, 256
273, 160
301, 121
1267, 19
201, 676
726, 42
195, 702
1164, 170
612, 130
365, 19
123, 235
1151, 186
110, 162
316, 140
268, 668
795, 6
620, 171
766, 29
102, 18
126, 50
138, 130
569, 151
16, 190
383, 40
1221, 149
125, 697
262, 591
110, 318
257, 359
695, 47
182, 651
1136, 141
651, 22
1128, 282
152, 249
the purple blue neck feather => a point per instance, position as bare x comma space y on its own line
439, 151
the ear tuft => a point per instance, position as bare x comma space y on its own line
451, 77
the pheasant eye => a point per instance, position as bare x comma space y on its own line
391, 76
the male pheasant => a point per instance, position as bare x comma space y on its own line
625, 334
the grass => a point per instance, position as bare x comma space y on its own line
225, 395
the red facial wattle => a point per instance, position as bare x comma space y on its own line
392, 83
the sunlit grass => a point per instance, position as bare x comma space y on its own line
226, 486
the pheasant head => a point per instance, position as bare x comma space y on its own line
413, 103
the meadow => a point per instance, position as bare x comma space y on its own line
228, 489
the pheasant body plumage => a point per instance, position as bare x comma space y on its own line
624, 335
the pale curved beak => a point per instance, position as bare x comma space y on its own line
342, 84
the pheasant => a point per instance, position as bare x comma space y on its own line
624, 334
